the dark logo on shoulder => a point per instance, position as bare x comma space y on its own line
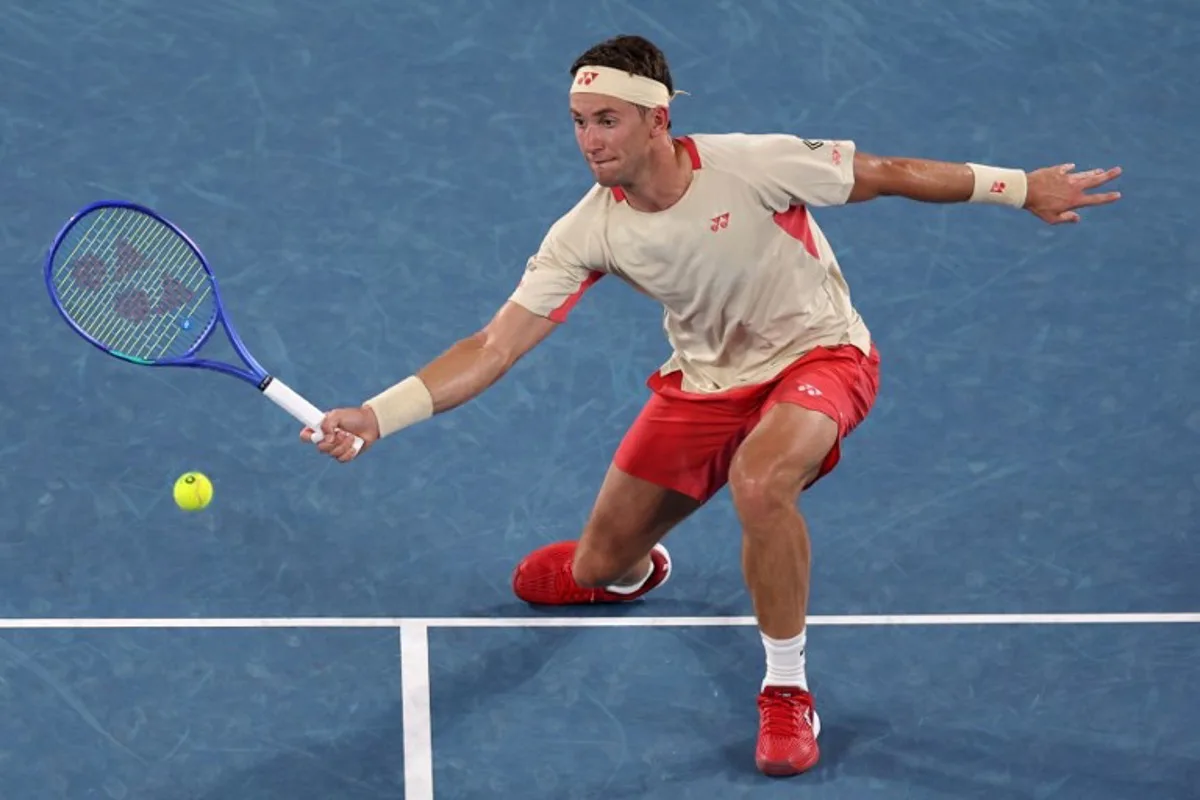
813, 144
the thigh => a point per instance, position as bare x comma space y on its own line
838, 384
786, 452
685, 444
674, 457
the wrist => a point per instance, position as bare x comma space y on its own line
372, 421
999, 186
402, 405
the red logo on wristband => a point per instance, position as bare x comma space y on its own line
998, 187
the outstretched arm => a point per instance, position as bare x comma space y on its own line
458, 375
1052, 193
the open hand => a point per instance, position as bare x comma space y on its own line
339, 428
1054, 193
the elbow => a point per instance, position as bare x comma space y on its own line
873, 177
492, 350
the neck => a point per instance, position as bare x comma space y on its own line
663, 181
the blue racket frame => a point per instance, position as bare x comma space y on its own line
255, 374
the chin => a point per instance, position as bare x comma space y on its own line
608, 178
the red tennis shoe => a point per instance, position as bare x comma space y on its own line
544, 578
787, 731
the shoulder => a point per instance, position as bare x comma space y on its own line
577, 237
752, 151
785, 169
587, 216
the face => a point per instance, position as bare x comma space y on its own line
613, 135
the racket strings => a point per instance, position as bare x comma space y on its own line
91, 299
133, 284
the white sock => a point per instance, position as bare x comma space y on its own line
632, 587
785, 661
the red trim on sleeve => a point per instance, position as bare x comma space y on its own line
560, 314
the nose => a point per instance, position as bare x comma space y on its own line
589, 140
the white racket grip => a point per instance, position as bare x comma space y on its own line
290, 401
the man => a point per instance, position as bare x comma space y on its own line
772, 366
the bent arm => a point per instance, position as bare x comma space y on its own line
462, 372
931, 181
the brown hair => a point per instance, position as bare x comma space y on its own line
634, 54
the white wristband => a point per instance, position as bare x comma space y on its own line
406, 403
998, 186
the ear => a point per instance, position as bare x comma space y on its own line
660, 119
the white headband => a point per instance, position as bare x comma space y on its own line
619, 83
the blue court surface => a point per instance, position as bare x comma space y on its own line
1005, 595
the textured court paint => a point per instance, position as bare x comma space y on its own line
955, 713
273, 715
369, 182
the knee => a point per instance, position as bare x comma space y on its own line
764, 491
756, 493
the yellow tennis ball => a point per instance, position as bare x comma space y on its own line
193, 491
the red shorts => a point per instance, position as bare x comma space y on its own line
686, 442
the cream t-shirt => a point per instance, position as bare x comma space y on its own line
746, 278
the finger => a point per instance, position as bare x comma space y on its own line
329, 423
344, 451
1065, 168
311, 436
1103, 198
1096, 177
1106, 175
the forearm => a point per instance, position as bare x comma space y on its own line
929, 181
462, 373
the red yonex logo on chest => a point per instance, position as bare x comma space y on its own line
720, 221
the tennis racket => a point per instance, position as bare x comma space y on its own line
134, 285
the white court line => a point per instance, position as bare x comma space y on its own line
418, 724
85, 623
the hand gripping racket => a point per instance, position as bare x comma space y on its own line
134, 285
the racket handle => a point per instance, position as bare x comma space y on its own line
290, 401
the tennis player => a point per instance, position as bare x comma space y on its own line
772, 366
